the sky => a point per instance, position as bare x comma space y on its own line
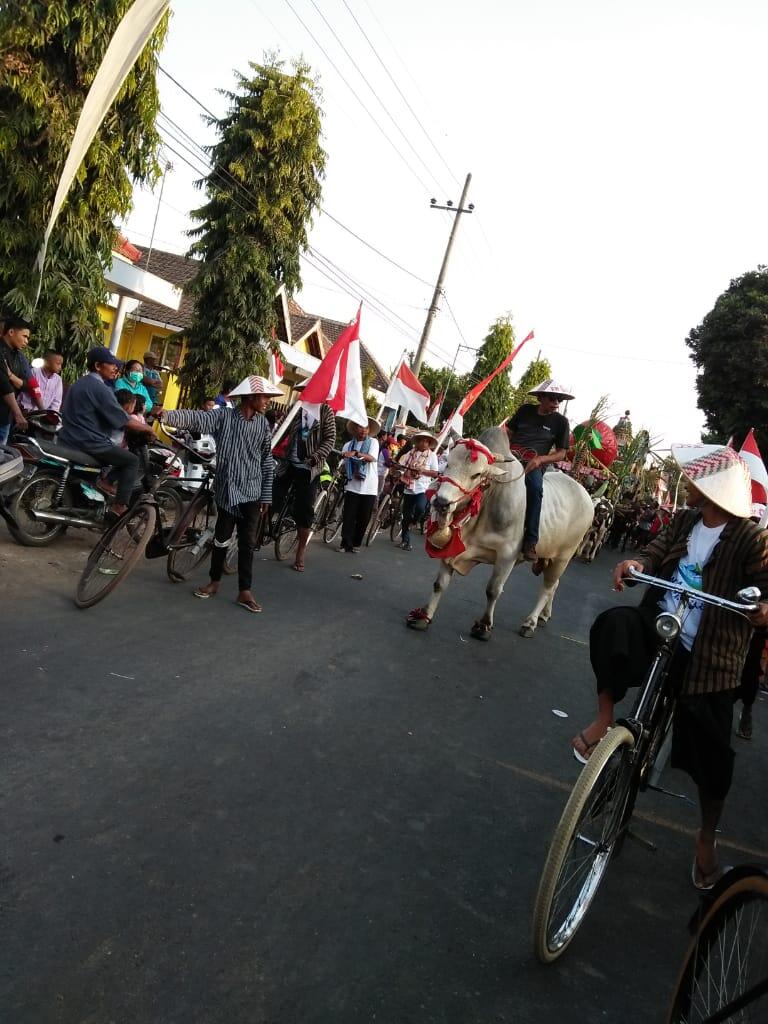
615, 152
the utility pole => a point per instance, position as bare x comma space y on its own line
434, 305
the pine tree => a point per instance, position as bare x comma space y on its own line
251, 234
494, 403
51, 52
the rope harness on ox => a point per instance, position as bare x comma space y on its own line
455, 545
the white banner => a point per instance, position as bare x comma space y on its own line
129, 40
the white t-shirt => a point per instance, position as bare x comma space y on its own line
370, 484
690, 571
421, 483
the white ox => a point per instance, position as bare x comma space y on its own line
495, 535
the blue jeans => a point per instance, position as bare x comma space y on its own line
5, 433
414, 507
534, 492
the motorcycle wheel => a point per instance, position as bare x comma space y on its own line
37, 493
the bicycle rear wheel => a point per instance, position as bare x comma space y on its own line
192, 540
377, 521
396, 523
584, 840
725, 973
332, 527
286, 538
115, 555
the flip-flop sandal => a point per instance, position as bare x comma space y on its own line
297, 568
588, 747
202, 594
250, 606
699, 878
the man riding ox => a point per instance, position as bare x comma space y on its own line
478, 515
538, 435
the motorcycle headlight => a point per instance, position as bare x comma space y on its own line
668, 626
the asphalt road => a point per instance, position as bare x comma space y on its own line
315, 815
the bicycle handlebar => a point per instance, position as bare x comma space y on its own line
743, 607
171, 433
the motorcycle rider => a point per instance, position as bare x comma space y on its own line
91, 412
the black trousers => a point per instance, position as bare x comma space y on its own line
622, 645
750, 674
414, 507
245, 519
126, 467
355, 519
304, 491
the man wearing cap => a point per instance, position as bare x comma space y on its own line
419, 469
539, 434
152, 380
360, 455
711, 546
244, 472
91, 414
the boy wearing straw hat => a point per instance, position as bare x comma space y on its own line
419, 468
244, 472
711, 546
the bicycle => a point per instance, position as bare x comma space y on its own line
121, 546
192, 539
725, 971
334, 507
596, 817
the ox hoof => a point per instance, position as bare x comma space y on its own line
418, 619
542, 622
480, 631
527, 632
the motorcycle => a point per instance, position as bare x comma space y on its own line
57, 489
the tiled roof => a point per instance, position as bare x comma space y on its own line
179, 270
301, 324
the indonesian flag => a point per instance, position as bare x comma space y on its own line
407, 392
456, 421
434, 410
276, 368
751, 455
338, 380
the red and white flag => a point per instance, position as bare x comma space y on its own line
434, 410
276, 368
407, 392
751, 455
338, 380
456, 421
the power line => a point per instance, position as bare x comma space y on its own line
378, 98
186, 92
415, 116
354, 92
373, 248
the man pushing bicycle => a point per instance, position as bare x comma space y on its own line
710, 546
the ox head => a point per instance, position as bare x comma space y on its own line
470, 468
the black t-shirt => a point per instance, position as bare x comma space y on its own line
10, 359
529, 430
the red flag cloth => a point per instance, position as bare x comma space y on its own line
473, 395
751, 455
338, 381
406, 391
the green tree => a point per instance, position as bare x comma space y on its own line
538, 370
442, 380
730, 351
250, 237
51, 51
496, 401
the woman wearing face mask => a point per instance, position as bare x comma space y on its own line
131, 380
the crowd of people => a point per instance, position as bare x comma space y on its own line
711, 545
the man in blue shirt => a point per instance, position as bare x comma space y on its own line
91, 412
153, 382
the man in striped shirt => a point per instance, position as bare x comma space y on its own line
243, 483
711, 546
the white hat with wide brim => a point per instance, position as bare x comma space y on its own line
255, 386
425, 433
373, 426
719, 473
550, 387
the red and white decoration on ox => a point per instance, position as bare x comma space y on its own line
338, 380
751, 455
406, 391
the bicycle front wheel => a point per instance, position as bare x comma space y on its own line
584, 840
725, 973
396, 524
376, 521
115, 555
332, 527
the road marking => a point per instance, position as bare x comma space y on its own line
651, 819
573, 640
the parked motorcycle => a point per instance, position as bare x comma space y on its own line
57, 490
